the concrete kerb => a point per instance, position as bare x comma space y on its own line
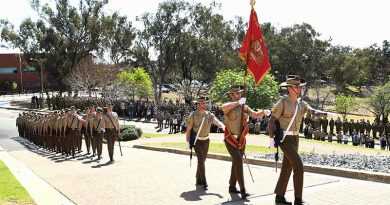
333, 171
41, 191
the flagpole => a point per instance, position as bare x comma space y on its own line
243, 120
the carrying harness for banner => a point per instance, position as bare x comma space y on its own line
240, 143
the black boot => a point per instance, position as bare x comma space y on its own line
205, 185
198, 182
299, 202
233, 189
244, 194
280, 200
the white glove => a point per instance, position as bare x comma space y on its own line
242, 101
267, 112
271, 142
223, 127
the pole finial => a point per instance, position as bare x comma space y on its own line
253, 2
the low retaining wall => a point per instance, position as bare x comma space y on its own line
340, 172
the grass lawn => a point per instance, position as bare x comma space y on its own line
219, 148
11, 192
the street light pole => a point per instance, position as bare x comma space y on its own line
41, 74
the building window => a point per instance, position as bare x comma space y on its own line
4, 71
30, 70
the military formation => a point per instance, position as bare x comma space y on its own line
62, 131
359, 132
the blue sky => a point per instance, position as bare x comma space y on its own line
357, 23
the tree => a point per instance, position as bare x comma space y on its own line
136, 83
379, 102
190, 41
262, 96
344, 104
88, 75
64, 35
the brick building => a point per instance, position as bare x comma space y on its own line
10, 71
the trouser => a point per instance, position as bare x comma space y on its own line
201, 150
98, 141
291, 161
87, 138
110, 137
237, 172
79, 140
72, 141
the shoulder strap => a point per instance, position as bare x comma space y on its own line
292, 120
111, 121
97, 127
72, 122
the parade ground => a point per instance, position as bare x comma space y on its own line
142, 176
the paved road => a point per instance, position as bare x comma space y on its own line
149, 177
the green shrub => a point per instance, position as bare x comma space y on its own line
130, 132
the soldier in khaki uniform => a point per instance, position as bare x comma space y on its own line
235, 135
98, 126
72, 130
284, 111
194, 122
112, 130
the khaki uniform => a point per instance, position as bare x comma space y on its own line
89, 141
111, 122
194, 121
98, 126
72, 132
232, 121
284, 111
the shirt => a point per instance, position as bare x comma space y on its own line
284, 111
194, 121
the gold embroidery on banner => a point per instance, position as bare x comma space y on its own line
256, 53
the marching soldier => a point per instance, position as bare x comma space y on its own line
234, 140
112, 130
98, 126
284, 111
194, 123
72, 130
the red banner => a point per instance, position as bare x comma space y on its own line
253, 51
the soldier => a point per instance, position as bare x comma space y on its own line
284, 111
351, 127
368, 128
72, 130
324, 124
338, 125
98, 127
235, 135
345, 126
375, 128
194, 121
86, 130
363, 126
316, 123
331, 125
112, 130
